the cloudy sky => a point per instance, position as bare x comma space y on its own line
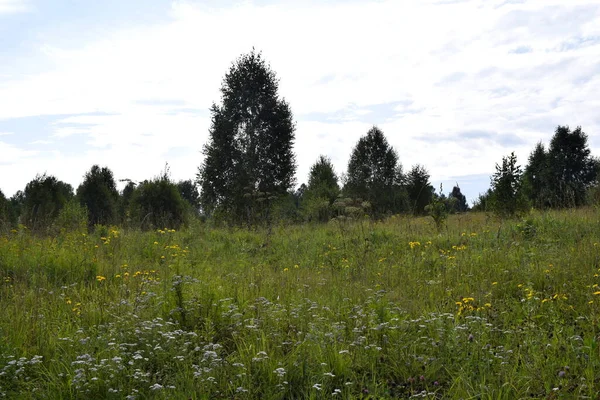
454, 84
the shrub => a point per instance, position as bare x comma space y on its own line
157, 203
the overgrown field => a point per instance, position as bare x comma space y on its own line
394, 309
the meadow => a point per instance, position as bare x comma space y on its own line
484, 309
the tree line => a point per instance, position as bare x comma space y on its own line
562, 176
247, 176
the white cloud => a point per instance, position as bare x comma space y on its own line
454, 65
14, 6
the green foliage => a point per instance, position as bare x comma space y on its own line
458, 201
439, 209
322, 180
374, 174
483, 202
157, 203
43, 199
125, 201
571, 169
536, 179
7, 217
73, 217
249, 150
322, 191
16, 203
98, 194
508, 198
189, 192
420, 191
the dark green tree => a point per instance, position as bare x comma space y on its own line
483, 202
536, 177
322, 180
43, 199
571, 169
99, 195
6, 214
373, 173
189, 192
16, 201
459, 204
420, 191
322, 190
249, 160
125, 201
157, 204
508, 198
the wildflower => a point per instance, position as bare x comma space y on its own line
413, 244
561, 374
286, 269
596, 293
494, 283
156, 386
100, 278
317, 386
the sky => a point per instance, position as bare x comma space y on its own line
455, 85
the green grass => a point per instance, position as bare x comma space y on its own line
393, 309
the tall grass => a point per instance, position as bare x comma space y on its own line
393, 309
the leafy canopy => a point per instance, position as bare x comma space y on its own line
374, 172
98, 193
249, 154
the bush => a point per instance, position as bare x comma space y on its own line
158, 204
44, 197
6, 220
73, 217
98, 193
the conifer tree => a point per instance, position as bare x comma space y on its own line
571, 169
